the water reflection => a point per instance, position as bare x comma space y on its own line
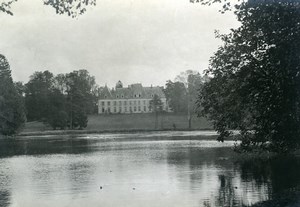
68, 171
4, 198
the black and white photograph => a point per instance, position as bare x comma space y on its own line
149, 103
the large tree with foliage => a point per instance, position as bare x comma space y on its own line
255, 84
37, 95
192, 81
62, 100
45, 101
176, 96
12, 111
80, 97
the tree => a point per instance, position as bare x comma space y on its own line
12, 111
37, 96
60, 83
192, 81
72, 8
63, 100
255, 84
156, 106
176, 95
20, 87
57, 117
80, 99
45, 101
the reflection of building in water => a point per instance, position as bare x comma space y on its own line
134, 99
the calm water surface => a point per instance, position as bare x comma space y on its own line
169, 169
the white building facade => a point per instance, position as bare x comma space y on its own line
134, 99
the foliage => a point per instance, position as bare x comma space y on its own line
255, 84
6, 6
62, 100
72, 8
181, 94
176, 95
20, 87
188, 83
192, 82
156, 106
80, 98
37, 96
12, 111
58, 117
44, 102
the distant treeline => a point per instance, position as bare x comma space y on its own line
64, 101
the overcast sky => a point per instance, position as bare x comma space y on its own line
145, 41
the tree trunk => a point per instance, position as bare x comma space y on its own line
162, 121
156, 119
190, 122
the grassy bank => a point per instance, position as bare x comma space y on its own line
145, 121
124, 123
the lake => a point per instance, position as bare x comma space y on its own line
175, 169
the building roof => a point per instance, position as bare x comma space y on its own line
134, 91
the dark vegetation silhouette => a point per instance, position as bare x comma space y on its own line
63, 101
156, 106
12, 110
182, 93
255, 78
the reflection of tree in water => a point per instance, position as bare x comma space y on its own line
239, 183
226, 195
4, 198
213, 164
280, 174
44, 145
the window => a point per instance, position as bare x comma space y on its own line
139, 102
145, 109
120, 103
152, 95
134, 102
115, 103
108, 110
144, 102
122, 96
139, 108
139, 95
117, 96
129, 102
125, 109
103, 110
125, 102
134, 109
115, 109
120, 109
108, 103
102, 103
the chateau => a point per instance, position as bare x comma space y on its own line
134, 99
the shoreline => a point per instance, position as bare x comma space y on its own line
106, 131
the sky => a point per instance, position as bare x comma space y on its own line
135, 41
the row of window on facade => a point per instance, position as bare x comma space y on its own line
130, 109
144, 102
135, 96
